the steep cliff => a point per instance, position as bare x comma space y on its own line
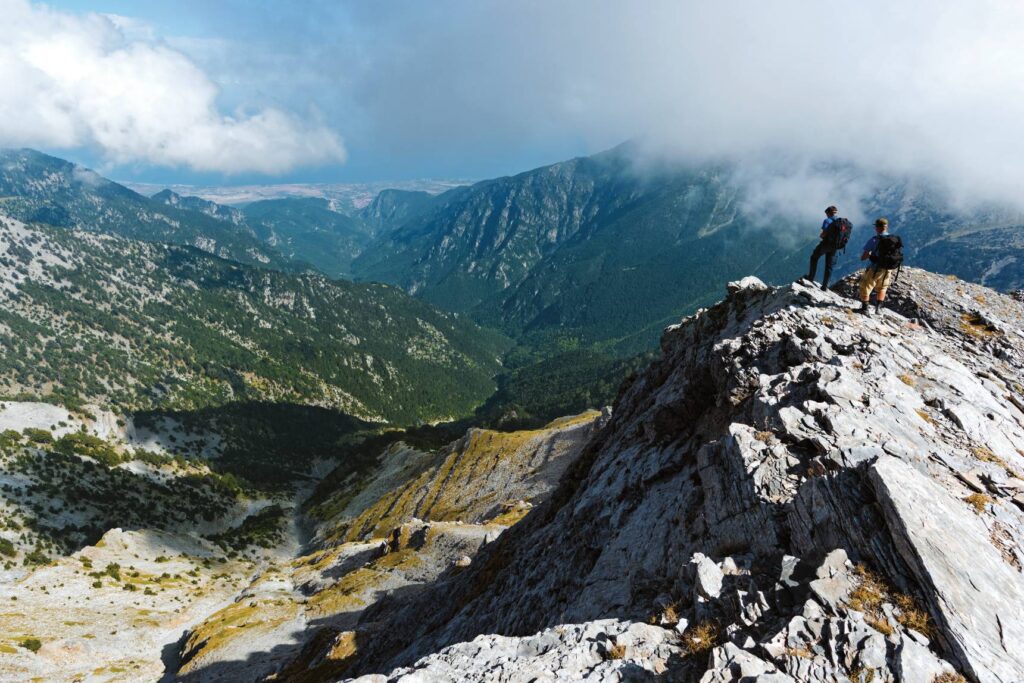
793, 491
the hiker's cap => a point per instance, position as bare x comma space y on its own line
882, 223
831, 209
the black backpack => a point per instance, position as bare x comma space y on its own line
890, 252
839, 233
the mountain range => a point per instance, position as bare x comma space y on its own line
791, 492
437, 436
141, 325
38, 188
603, 251
596, 253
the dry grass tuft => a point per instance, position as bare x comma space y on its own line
803, 652
907, 379
926, 417
912, 616
872, 591
880, 624
700, 638
949, 677
976, 326
616, 652
985, 454
862, 674
869, 594
764, 436
979, 501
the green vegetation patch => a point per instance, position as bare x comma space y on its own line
264, 529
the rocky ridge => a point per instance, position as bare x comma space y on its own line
420, 516
793, 492
485, 476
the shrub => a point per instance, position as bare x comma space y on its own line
31, 644
9, 438
36, 558
88, 445
6, 548
38, 436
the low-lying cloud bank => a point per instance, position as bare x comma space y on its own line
97, 81
919, 86
922, 87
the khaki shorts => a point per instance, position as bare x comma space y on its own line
875, 278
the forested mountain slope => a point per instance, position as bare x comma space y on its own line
309, 230
603, 251
190, 203
138, 325
35, 187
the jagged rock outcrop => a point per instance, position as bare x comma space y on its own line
605, 650
420, 516
487, 476
799, 492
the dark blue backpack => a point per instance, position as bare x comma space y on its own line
839, 232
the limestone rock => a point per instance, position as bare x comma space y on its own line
708, 577
811, 488
977, 594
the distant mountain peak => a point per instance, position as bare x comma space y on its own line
45, 189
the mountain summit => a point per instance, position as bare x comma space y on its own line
792, 492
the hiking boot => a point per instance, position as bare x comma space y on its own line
864, 308
824, 286
878, 305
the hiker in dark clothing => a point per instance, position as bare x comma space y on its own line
827, 247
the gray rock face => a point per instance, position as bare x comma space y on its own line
978, 594
604, 650
805, 487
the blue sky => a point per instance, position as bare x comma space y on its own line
314, 60
232, 91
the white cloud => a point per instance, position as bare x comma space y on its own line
107, 82
923, 86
